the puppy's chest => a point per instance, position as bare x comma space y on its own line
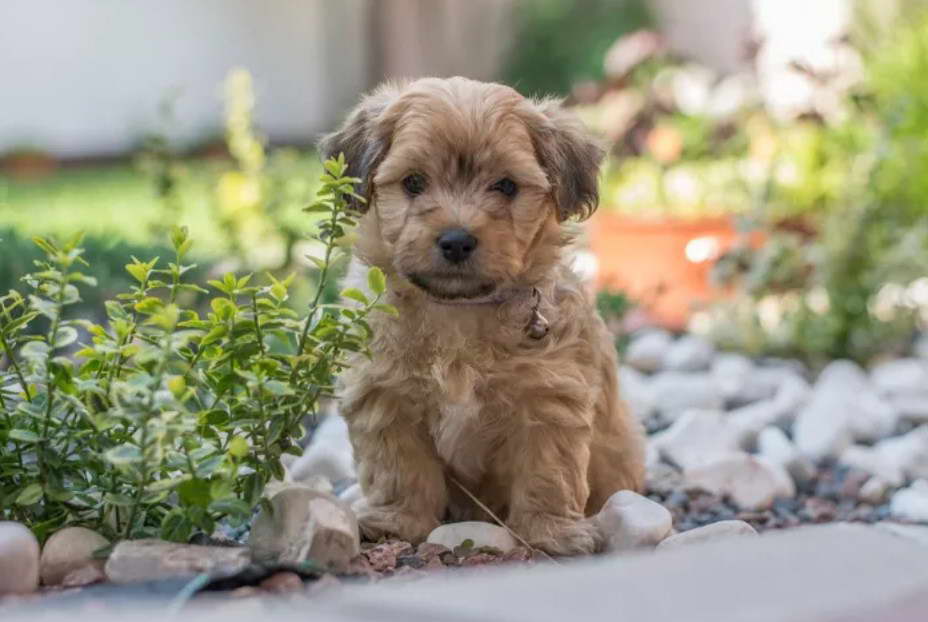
458, 424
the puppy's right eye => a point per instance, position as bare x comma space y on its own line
414, 184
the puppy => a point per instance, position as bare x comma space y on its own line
497, 375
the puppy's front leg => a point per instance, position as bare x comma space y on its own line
550, 455
400, 474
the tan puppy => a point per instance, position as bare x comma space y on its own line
497, 372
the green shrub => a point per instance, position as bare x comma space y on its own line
560, 43
166, 420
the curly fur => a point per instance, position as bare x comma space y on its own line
534, 427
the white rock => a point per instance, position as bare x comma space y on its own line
151, 560
696, 437
721, 530
478, 532
822, 429
730, 372
19, 559
913, 407
635, 389
629, 521
351, 494
893, 459
676, 392
329, 454
844, 407
647, 350
870, 461
874, 490
791, 394
911, 503
67, 550
749, 482
775, 446
901, 376
305, 524
689, 353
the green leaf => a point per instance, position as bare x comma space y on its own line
123, 455
376, 280
355, 294
175, 527
386, 308
117, 499
29, 495
139, 271
238, 447
23, 436
66, 336
194, 492
234, 507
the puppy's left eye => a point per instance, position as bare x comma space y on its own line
506, 186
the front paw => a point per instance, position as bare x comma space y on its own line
381, 521
558, 535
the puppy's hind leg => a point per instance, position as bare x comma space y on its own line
400, 474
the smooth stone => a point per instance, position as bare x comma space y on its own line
893, 459
791, 394
696, 437
911, 503
709, 533
150, 559
844, 407
19, 559
676, 392
913, 407
751, 483
304, 525
480, 533
635, 389
874, 490
328, 455
630, 521
67, 550
901, 376
730, 372
647, 350
775, 446
689, 353
351, 494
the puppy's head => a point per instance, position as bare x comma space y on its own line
467, 183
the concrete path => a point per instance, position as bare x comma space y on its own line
815, 574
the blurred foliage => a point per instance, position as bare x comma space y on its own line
857, 287
559, 43
613, 307
166, 420
244, 204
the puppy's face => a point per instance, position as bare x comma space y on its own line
467, 181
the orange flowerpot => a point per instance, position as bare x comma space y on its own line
663, 264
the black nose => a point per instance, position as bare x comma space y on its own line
456, 245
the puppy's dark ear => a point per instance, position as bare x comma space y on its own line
364, 140
570, 156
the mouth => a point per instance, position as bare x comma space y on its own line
451, 288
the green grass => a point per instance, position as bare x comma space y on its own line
117, 202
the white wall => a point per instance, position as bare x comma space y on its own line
82, 77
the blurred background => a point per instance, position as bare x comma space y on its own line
768, 174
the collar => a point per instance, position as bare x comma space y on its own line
537, 326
